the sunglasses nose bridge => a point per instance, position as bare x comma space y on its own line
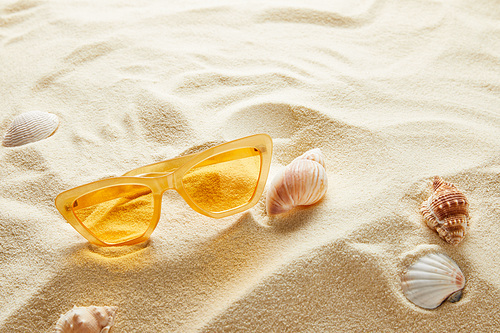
167, 182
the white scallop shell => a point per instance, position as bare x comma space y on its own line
433, 279
302, 182
30, 127
92, 319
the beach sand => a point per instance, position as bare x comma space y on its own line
393, 92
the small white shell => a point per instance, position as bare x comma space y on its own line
30, 127
302, 182
90, 319
433, 279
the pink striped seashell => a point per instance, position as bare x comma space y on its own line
302, 182
92, 319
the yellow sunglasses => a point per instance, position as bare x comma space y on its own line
217, 182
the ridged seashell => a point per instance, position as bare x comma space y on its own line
447, 211
30, 127
92, 319
302, 182
433, 279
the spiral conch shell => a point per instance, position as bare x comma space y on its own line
433, 279
302, 182
447, 211
30, 127
92, 319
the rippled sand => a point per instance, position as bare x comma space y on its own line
393, 92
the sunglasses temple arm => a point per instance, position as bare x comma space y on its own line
108, 193
160, 168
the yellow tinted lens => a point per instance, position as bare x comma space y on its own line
224, 181
116, 214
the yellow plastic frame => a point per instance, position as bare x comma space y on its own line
167, 175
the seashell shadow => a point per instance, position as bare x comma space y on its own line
294, 219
